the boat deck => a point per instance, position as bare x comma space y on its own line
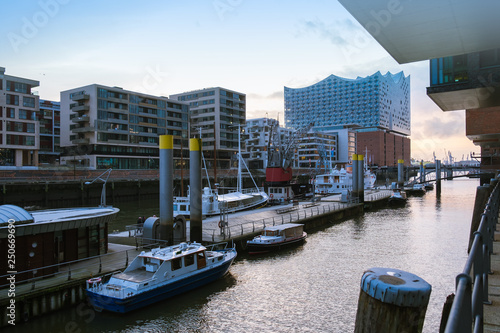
137, 275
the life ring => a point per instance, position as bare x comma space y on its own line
220, 224
271, 195
94, 280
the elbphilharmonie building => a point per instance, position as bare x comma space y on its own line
376, 101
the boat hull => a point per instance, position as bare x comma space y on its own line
257, 248
162, 292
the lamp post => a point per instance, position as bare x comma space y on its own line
104, 180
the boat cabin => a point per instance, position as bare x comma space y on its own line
287, 230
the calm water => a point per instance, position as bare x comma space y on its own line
312, 288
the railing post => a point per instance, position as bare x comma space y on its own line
253, 226
100, 265
69, 272
241, 229
126, 260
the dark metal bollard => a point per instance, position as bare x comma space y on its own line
391, 301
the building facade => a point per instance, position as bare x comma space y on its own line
19, 139
471, 82
49, 119
109, 127
375, 101
216, 113
317, 151
383, 148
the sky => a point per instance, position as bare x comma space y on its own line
163, 47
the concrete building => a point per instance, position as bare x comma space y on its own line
460, 40
49, 119
346, 141
317, 152
19, 139
258, 133
109, 127
216, 112
377, 101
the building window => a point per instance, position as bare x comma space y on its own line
12, 100
27, 114
17, 87
28, 102
489, 58
10, 113
449, 70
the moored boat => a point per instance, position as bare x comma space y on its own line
338, 181
277, 237
159, 274
417, 189
398, 197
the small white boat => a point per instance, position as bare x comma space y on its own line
277, 237
159, 274
417, 189
338, 181
398, 197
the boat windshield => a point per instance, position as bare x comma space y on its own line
269, 232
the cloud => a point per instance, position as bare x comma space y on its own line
274, 95
437, 128
332, 32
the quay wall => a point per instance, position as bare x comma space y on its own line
46, 300
311, 223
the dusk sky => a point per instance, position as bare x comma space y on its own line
256, 47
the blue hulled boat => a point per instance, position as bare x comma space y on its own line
159, 274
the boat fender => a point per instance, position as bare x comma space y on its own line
94, 280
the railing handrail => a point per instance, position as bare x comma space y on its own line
471, 292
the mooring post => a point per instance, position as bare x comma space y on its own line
438, 177
195, 192
391, 301
167, 188
361, 178
401, 175
355, 165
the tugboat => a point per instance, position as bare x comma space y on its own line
159, 274
398, 197
277, 237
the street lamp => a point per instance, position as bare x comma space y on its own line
104, 180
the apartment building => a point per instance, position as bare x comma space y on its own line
19, 139
109, 127
49, 118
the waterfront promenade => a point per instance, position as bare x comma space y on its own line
492, 312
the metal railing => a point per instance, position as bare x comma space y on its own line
258, 225
71, 270
471, 292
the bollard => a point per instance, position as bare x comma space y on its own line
391, 301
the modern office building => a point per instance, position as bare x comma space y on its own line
19, 139
49, 119
375, 101
216, 113
463, 49
109, 127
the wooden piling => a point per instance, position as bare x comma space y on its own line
391, 301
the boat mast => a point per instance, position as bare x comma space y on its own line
239, 185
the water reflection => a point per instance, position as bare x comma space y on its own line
314, 287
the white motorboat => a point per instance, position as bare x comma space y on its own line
338, 181
398, 197
159, 274
277, 237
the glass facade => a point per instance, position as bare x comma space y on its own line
374, 101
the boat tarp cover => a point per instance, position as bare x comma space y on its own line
235, 196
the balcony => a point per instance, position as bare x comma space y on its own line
80, 108
80, 97
81, 119
86, 129
83, 141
